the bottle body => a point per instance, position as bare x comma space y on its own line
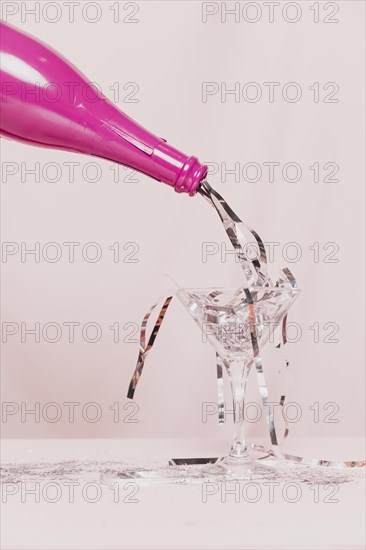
46, 101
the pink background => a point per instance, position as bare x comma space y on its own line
169, 53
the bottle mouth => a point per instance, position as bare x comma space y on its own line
191, 176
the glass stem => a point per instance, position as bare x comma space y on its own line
238, 373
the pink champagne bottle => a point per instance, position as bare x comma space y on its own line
46, 101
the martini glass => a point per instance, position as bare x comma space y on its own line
232, 319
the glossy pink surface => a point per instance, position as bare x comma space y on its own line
46, 101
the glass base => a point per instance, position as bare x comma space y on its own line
241, 468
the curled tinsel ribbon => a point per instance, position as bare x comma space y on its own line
256, 274
145, 348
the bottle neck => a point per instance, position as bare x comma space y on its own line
177, 170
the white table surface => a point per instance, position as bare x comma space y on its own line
175, 516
